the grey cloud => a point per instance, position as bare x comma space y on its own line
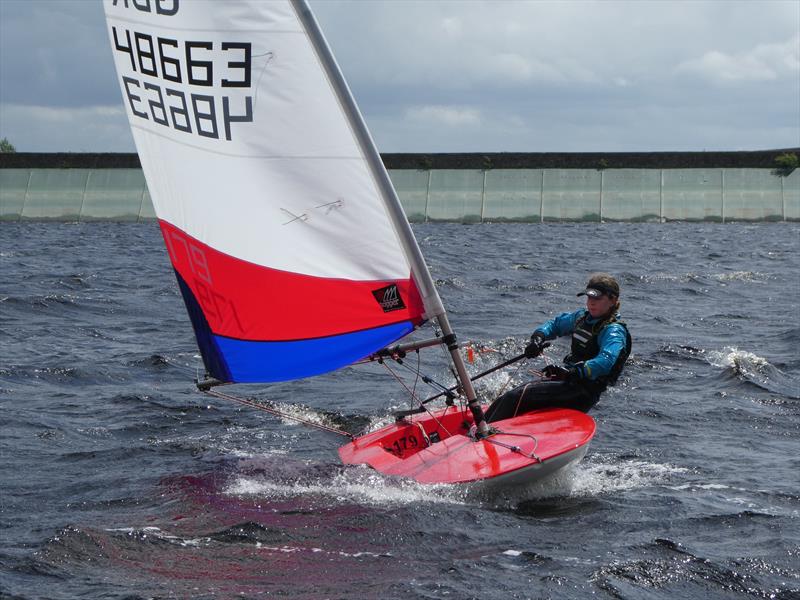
55, 53
70, 129
470, 76
409, 42
764, 62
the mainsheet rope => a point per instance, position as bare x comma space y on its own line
284, 415
400, 381
414, 397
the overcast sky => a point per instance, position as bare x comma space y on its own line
466, 76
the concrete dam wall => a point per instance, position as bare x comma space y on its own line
454, 188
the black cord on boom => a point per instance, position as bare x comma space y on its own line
448, 391
425, 378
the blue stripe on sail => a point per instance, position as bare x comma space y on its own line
257, 362
206, 342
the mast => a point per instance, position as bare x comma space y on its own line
419, 270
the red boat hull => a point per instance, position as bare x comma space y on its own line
437, 448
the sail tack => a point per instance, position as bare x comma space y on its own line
278, 232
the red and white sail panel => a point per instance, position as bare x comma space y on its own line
278, 232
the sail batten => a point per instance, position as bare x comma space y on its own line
276, 218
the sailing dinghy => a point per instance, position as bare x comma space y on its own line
287, 238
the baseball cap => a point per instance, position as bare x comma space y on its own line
599, 284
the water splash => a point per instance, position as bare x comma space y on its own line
589, 479
739, 360
359, 485
620, 475
306, 413
756, 370
740, 276
363, 486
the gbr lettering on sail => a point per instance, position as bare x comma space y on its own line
180, 82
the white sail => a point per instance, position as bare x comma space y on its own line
286, 236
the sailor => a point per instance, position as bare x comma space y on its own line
600, 346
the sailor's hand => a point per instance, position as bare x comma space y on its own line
556, 373
573, 375
536, 345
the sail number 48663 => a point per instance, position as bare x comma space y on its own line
161, 69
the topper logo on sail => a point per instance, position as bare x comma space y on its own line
389, 298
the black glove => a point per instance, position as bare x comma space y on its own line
557, 373
573, 375
536, 345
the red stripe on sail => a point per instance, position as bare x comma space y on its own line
246, 301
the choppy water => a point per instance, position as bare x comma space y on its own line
120, 480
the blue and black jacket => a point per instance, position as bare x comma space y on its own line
600, 346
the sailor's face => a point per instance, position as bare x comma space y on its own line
600, 306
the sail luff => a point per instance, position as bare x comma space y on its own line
419, 269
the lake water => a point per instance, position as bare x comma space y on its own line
121, 480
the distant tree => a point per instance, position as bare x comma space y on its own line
6, 147
424, 163
785, 164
